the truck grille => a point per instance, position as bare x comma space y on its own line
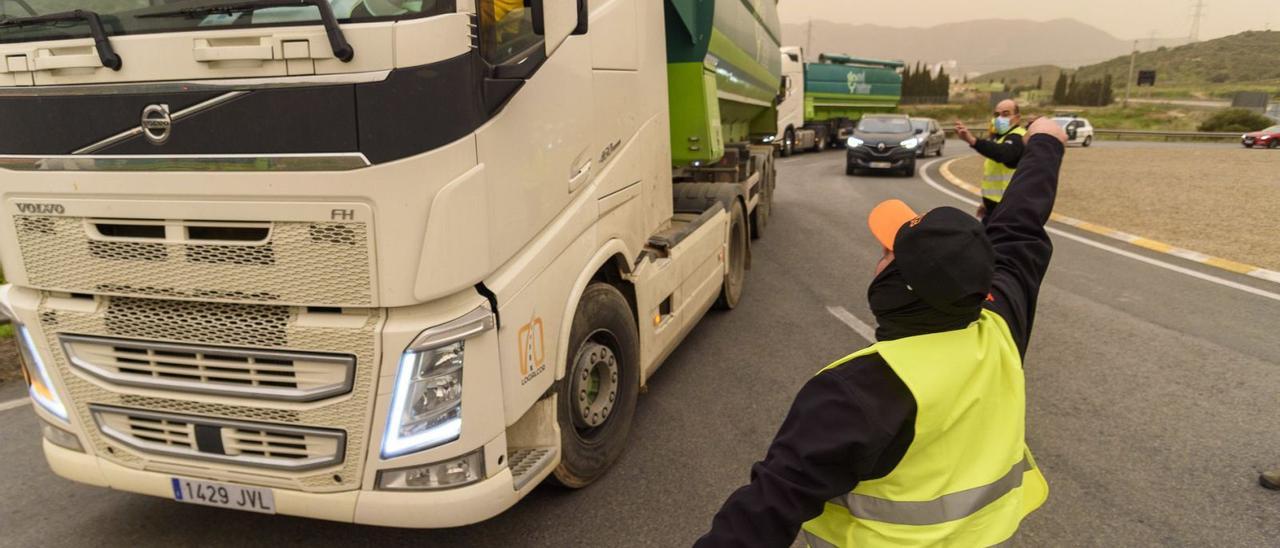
260, 374
256, 329
300, 263
243, 443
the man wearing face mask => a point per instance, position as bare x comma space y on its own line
1002, 151
918, 440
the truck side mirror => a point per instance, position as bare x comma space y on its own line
556, 20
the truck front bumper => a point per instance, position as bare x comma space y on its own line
417, 509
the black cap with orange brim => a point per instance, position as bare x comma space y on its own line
887, 219
944, 254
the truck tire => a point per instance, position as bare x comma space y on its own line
735, 272
788, 143
597, 396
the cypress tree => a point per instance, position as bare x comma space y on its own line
1060, 89
1040, 82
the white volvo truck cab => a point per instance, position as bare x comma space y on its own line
391, 262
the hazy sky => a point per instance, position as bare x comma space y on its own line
1131, 19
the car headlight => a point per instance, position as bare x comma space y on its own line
426, 408
855, 142
38, 383
911, 143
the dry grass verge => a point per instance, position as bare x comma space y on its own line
10, 370
1222, 202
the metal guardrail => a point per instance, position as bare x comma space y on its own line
1120, 134
980, 131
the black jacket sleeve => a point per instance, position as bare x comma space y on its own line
849, 423
1016, 230
1009, 153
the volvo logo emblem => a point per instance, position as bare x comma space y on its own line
156, 123
880, 147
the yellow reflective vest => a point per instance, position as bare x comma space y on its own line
995, 175
968, 477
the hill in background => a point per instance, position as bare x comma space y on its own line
975, 46
1246, 57
1245, 61
1025, 76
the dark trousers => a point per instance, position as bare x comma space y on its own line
991, 208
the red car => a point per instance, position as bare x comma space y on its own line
1269, 138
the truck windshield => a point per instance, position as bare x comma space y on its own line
120, 17
884, 125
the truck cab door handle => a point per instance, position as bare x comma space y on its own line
579, 176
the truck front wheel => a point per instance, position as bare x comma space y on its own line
597, 396
735, 263
788, 143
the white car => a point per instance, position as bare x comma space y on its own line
1079, 130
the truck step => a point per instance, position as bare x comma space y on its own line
527, 463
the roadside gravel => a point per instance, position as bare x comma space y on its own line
1222, 202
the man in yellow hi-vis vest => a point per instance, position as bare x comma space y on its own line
919, 439
1002, 151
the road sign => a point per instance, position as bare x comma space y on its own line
1146, 78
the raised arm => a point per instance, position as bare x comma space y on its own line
1017, 232
1008, 153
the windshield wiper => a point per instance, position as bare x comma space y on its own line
341, 49
105, 52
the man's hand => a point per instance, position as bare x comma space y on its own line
982, 211
963, 133
1047, 126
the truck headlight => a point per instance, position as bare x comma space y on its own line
854, 142
426, 408
911, 143
38, 383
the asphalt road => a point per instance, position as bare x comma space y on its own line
1152, 405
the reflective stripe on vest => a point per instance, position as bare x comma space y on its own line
968, 478
815, 541
995, 175
940, 510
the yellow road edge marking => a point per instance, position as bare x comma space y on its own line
1140, 241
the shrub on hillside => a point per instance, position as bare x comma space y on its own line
1235, 119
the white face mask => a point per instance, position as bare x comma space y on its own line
1003, 124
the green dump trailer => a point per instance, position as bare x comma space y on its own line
838, 90
723, 73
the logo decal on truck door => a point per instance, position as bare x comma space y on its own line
532, 350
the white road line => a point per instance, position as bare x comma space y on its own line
1122, 252
14, 404
867, 332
